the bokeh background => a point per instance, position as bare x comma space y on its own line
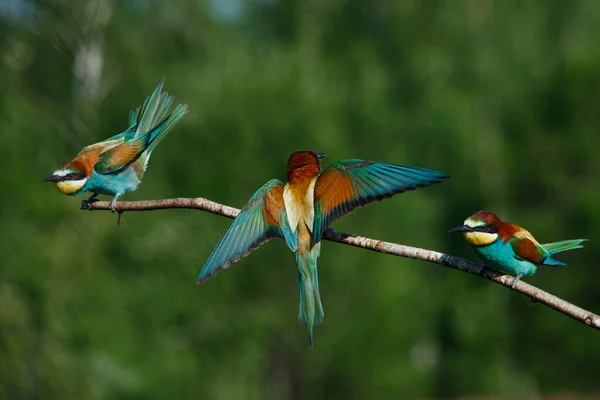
502, 95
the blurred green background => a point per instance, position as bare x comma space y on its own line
502, 95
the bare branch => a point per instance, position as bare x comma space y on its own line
536, 294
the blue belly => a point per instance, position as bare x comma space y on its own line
113, 184
501, 256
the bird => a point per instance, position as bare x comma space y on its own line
300, 210
117, 165
509, 248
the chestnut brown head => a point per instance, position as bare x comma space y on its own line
304, 165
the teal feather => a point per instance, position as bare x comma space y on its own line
106, 166
501, 256
371, 181
133, 119
553, 262
169, 122
291, 238
248, 231
147, 116
310, 308
127, 135
557, 247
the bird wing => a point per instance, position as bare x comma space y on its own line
262, 218
349, 184
115, 158
124, 136
527, 248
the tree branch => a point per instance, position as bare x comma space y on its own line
536, 294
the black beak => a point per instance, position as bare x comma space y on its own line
461, 228
52, 178
321, 155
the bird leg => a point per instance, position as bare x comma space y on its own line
85, 204
516, 279
112, 204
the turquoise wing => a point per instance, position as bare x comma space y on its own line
152, 114
148, 115
116, 158
349, 184
262, 218
126, 135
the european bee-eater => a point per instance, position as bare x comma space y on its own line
509, 248
300, 211
116, 166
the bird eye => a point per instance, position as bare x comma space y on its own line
70, 176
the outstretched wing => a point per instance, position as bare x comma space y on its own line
349, 184
262, 218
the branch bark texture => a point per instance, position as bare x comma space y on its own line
536, 294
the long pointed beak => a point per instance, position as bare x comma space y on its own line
321, 155
461, 228
52, 178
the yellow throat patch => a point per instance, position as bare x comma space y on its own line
480, 238
70, 187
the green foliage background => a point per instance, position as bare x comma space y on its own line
502, 95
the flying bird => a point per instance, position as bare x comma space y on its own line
300, 210
116, 165
509, 248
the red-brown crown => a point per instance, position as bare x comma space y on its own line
303, 165
489, 218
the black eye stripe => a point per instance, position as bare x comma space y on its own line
486, 229
73, 176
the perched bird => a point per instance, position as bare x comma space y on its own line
116, 166
509, 248
300, 211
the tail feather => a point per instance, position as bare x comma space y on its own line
564, 245
153, 113
558, 247
310, 309
170, 121
152, 119
147, 114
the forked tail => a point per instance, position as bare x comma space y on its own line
558, 247
310, 309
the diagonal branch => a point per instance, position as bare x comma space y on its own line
536, 294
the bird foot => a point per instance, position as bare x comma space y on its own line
112, 205
87, 204
516, 279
